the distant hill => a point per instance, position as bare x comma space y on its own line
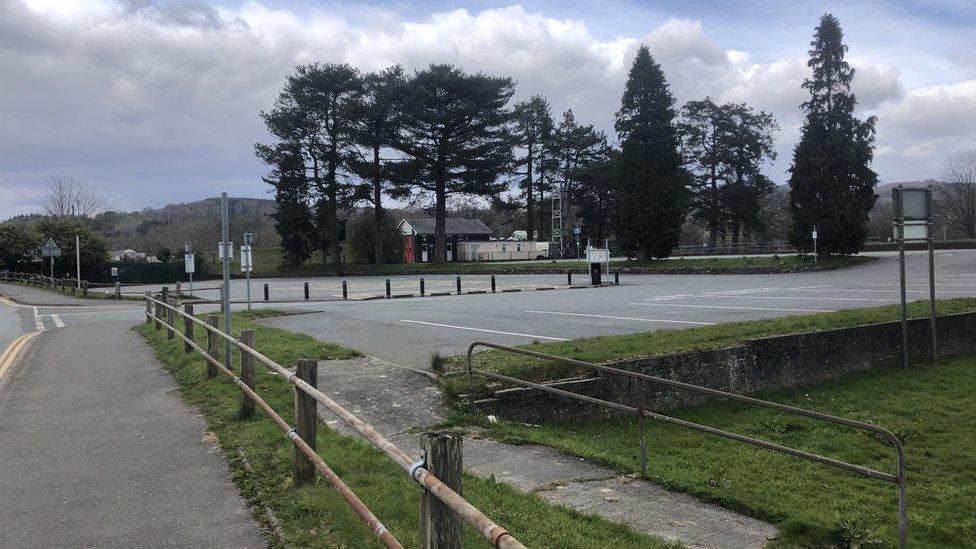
884, 191
195, 222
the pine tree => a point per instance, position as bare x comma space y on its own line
533, 127
749, 144
455, 138
375, 121
831, 183
293, 218
652, 197
704, 127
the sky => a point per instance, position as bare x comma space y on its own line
153, 102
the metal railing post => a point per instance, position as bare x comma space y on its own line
641, 428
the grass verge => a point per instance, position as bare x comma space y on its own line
93, 293
315, 515
267, 263
928, 406
643, 344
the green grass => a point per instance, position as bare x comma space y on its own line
93, 293
644, 344
267, 263
930, 407
315, 515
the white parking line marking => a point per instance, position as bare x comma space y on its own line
58, 323
736, 308
795, 297
636, 319
530, 336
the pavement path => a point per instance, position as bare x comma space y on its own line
98, 450
401, 402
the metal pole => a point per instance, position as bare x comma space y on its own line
225, 294
904, 304
935, 347
78, 260
247, 242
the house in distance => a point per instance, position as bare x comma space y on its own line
467, 240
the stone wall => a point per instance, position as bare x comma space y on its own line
763, 364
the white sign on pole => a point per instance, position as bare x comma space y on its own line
220, 251
246, 265
115, 271
597, 255
190, 264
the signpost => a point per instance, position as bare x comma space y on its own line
246, 265
226, 253
814, 234
913, 223
78, 260
189, 263
50, 249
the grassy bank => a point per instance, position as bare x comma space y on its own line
928, 406
267, 263
619, 347
315, 515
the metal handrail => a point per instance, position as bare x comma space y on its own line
898, 478
497, 535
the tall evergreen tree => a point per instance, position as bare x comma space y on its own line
293, 218
704, 127
831, 183
595, 196
749, 146
455, 136
375, 122
533, 127
652, 195
313, 113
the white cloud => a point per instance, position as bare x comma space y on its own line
155, 101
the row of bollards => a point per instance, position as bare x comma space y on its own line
389, 290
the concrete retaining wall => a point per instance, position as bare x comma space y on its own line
769, 363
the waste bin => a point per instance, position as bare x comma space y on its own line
595, 273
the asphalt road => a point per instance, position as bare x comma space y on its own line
407, 331
96, 447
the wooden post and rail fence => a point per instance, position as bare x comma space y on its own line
443, 510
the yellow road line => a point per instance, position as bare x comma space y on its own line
9, 356
9, 303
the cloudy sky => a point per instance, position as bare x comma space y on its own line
154, 101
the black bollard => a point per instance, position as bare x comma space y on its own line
306, 291
421, 286
459, 285
345, 292
492, 283
388, 288
569, 277
616, 277
265, 291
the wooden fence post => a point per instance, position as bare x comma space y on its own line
159, 316
440, 527
149, 307
179, 289
118, 290
221, 296
84, 288
171, 319
247, 373
305, 421
188, 327
213, 349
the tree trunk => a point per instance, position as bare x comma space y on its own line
377, 207
440, 220
713, 215
529, 202
333, 213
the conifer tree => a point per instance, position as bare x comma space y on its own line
652, 196
831, 183
532, 131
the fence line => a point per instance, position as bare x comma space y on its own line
898, 479
417, 470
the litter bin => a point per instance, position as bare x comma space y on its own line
595, 273
597, 258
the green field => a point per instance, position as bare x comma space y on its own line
267, 263
315, 515
929, 407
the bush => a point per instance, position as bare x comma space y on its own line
360, 234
